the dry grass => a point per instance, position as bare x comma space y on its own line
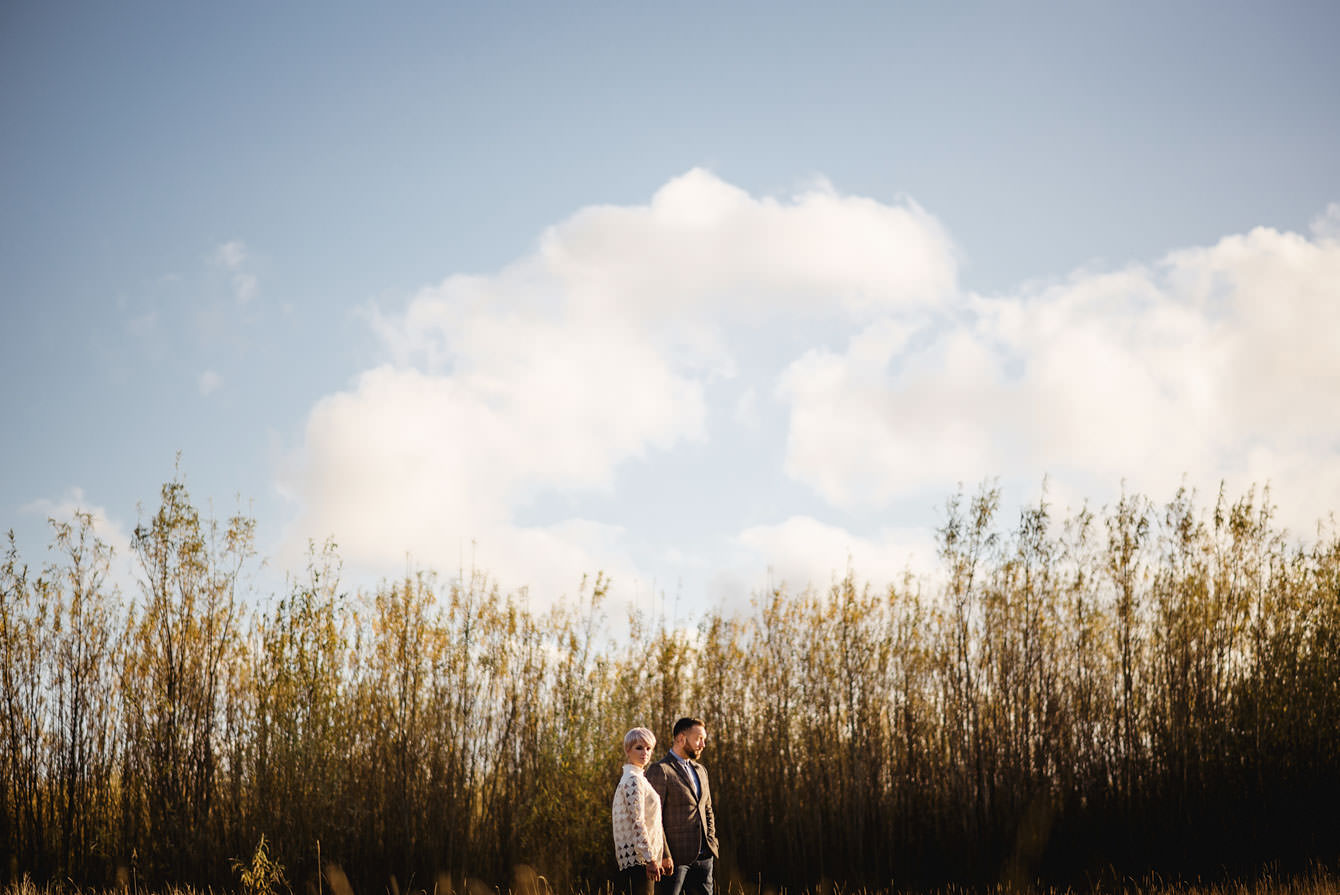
1164, 674
1318, 882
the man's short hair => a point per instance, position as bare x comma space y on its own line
638, 734
684, 724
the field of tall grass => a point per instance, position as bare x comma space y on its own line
1123, 690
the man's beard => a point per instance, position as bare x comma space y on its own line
690, 752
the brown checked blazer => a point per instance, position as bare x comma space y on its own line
689, 821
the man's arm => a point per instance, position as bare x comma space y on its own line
709, 811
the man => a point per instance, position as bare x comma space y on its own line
686, 811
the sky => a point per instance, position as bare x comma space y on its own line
710, 298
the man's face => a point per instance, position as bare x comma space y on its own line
693, 740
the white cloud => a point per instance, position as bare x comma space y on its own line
414, 463
599, 348
209, 382
1326, 226
122, 571
616, 338
803, 552
861, 435
704, 245
232, 256
244, 287
1217, 362
65, 508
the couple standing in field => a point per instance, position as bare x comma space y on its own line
665, 832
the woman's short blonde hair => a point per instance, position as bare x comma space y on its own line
636, 734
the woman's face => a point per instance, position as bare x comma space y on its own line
639, 753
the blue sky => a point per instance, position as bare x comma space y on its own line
703, 297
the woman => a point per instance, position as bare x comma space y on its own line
639, 840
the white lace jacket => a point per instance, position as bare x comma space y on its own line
638, 836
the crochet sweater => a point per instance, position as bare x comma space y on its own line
638, 836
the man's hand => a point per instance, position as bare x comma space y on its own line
667, 864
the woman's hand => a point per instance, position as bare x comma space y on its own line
653, 871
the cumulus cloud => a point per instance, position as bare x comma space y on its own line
1214, 363
704, 245
209, 382
803, 552
598, 348
633, 331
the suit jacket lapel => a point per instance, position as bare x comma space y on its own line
684, 776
